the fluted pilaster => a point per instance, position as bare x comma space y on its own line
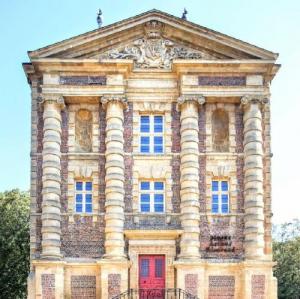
189, 176
253, 181
51, 192
114, 178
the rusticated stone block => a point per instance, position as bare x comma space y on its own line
83, 238
48, 286
128, 128
114, 285
175, 127
175, 163
258, 286
191, 283
221, 287
83, 287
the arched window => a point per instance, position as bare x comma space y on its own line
83, 130
220, 131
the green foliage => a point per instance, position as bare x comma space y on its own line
14, 243
286, 250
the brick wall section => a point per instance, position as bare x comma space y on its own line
239, 128
114, 285
83, 238
128, 183
221, 287
48, 286
175, 127
175, 163
102, 126
101, 167
202, 183
64, 184
40, 126
202, 131
64, 130
240, 184
191, 283
258, 287
128, 128
83, 287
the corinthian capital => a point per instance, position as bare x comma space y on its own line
52, 98
198, 99
247, 100
104, 100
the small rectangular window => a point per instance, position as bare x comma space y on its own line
83, 197
145, 268
151, 134
152, 197
220, 197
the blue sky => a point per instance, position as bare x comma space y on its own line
273, 25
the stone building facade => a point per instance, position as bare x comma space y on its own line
150, 163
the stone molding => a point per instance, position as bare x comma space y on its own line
199, 99
104, 100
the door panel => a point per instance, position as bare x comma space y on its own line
151, 276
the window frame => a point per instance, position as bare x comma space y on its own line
219, 193
152, 192
83, 192
151, 134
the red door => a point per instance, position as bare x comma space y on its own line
152, 276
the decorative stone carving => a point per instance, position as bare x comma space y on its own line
113, 97
84, 130
83, 171
220, 131
53, 98
247, 99
153, 51
199, 99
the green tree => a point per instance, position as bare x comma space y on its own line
286, 250
14, 243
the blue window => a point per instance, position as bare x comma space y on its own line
220, 197
83, 197
151, 134
152, 197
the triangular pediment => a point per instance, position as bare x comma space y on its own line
153, 39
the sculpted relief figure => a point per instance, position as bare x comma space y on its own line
83, 130
220, 131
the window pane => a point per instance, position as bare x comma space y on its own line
224, 208
158, 198
158, 149
78, 208
145, 268
145, 198
145, 119
215, 198
224, 198
224, 185
88, 186
158, 140
145, 149
158, 208
158, 128
215, 185
145, 208
79, 186
145, 140
78, 198
158, 267
158, 119
88, 208
145, 185
145, 128
88, 198
158, 185
215, 208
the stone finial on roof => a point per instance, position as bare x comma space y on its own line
185, 12
99, 18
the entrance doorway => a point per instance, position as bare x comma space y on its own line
151, 276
